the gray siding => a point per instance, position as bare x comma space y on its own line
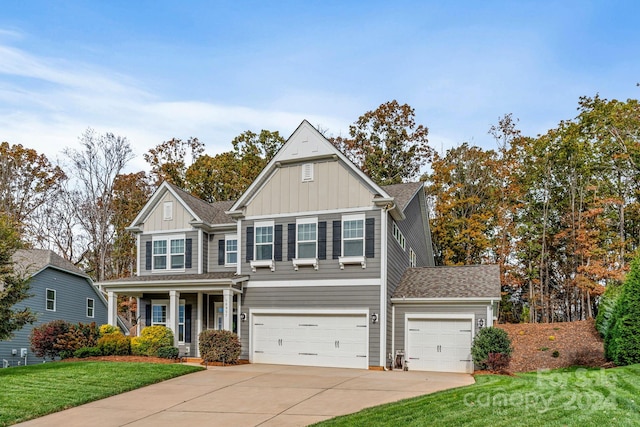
195, 253
204, 257
328, 297
71, 305
327, 269
213, 251
479, 309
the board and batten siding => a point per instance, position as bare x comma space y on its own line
314, 297
72, 292
328, 268
334, 186
195, 253
180, 220
479, 310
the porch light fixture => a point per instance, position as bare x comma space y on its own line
243, 316
374, 318
480, 323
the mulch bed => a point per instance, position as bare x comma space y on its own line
576, 343
143, 359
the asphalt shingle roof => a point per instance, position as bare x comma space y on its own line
211, 213
30, 261
175, 277
469, 281
403, 193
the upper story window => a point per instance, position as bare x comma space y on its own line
168, 253
353, 235
413, 259
397, 234
231, 249
91, 305
167, 211
307, 241
264, 241
51, 299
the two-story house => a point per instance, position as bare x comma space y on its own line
306, 267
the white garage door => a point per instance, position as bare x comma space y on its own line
310, 339
439, 345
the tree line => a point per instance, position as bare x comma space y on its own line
559, 212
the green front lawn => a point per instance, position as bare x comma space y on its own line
33, 391
564, 397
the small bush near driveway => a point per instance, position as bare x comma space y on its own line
219, 346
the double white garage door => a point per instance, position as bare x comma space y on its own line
439, 345
336, 340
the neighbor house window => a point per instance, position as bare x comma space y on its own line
51, 300
397, 234
307, 242
413, 260
264, 241
168, 253
90, 307
353, 235
231, 249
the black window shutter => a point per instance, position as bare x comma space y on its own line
291, 241
370, 237
187, 253
221, 252
147, 315
249, 243
187, 323
147, 256
322, 240
337, 239
277, 243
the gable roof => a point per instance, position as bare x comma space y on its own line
468, 281
403, 193
32, 261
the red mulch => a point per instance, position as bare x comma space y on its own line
577, 343
144, 359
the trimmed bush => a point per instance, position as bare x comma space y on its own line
83, 352
168, 352
622, 343
115, 344
606, 308
498, 362
150, 340
219, 346
487, 341
43, 338
108, 329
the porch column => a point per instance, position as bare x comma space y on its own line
112, 313
228, 311
239, 313
138, 319
199, 313
172, 321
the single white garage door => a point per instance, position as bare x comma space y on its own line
334, 340
439, 345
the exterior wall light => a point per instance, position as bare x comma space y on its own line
480, 323
374, 318
243, 316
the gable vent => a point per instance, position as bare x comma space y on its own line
307, 172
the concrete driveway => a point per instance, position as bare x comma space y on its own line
254, 395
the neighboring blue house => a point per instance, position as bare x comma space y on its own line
59, 290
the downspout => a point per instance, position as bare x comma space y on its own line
383, 284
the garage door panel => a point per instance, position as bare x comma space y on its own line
439, 345
306, 339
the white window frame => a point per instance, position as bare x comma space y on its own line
91, 308
413, 259
47, 299
263, 224
313, 261
168, 254
228, 238
397, 234
353, 259
167, 211
165, 303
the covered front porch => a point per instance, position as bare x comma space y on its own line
185, 304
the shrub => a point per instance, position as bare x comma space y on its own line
150, 340
622, 343
168, 352
606, 308
43, 338
83, 352
219, 346
489, 340
498, 362
114, 344
108, 329
555, 354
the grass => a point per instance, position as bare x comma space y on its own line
563, 397
33, 391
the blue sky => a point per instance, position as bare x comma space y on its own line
154, 70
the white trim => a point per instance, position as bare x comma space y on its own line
200, 252
138, 256
226, 238
310, 283
239, 315
297, 262
301, 221
46, 299
439, 300
164, 232
239, 234
166, 287
198, 315
255, 262
353, 259
138, 323
326, 212
383, 283
393, 336
344, 260
93, 308
489, 321
168, 238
